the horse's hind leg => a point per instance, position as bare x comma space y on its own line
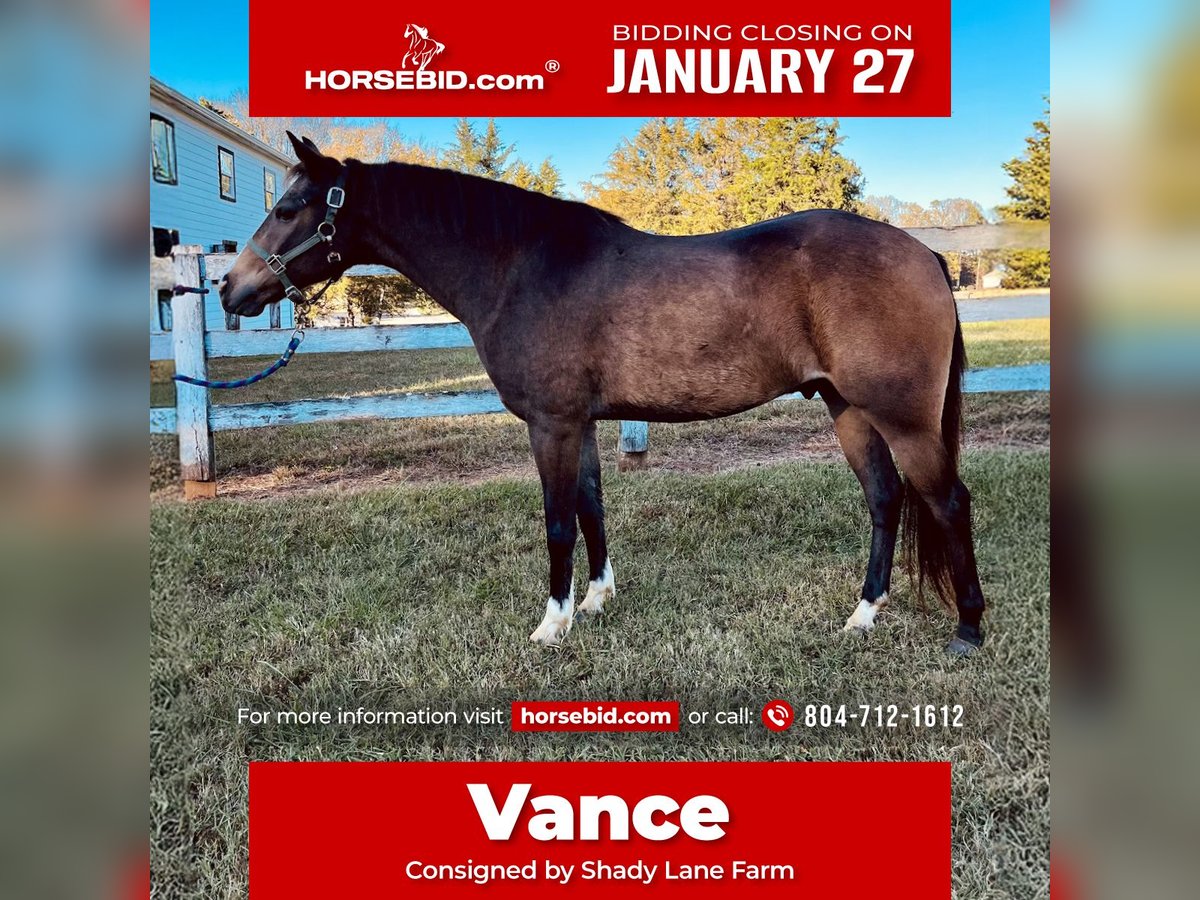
590, 505
869, 457
940, 517
556, 448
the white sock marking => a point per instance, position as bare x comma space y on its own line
599, 592
557, 621
863, 617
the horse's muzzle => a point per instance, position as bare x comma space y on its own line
242, 299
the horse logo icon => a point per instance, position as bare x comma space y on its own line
421, 47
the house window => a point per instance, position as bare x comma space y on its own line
165, 320
225, 174
268, 189
162, 151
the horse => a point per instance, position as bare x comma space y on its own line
421, 48
578, 317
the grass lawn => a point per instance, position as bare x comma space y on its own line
731, 587
1013, 342
484, 445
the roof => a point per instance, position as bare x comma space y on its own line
169, 95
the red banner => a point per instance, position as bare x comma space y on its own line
846, 830
380, 58
598, 715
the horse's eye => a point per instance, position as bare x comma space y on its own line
284, 215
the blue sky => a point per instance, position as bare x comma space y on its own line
1001, 71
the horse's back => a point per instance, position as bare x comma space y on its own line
709, 325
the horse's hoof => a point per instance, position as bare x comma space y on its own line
960, 647
593, 604
555, 624
863, 617
550, 634
599, 592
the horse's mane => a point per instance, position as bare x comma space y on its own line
502, 215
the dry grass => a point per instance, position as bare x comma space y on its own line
399, 564
476, 448
732, 588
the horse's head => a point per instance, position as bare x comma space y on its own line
274, 264
410, 30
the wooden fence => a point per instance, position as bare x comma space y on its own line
194, 418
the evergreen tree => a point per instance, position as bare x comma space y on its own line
647, 177
1030, 193
521, 175
548, 179
687, 176
479, 154
1030, 190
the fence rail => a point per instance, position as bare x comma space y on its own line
265, 341
194, 419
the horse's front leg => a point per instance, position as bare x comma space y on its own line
590, 500
556, 446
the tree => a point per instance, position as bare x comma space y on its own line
951, 212
365, 142
1030, 190
686, 176
894, 211
835, 181
365, 299
548, 179
1030, 194
954, 211
479, 154
223, 113
647, 177
488, 156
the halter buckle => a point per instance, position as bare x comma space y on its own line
276, 264
295, 295
326, 230
335, 198
334, 257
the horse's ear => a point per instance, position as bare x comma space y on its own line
308, 154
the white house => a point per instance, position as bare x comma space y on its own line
994, 278
213, 183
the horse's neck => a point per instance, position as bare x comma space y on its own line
463, 275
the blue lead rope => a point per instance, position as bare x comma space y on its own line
293, 344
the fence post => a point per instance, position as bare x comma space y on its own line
633, 446
191, 402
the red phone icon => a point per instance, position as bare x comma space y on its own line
777, 715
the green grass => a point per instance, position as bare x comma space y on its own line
1013, 342
334, 374
731, 588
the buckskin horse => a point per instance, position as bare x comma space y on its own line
578, 317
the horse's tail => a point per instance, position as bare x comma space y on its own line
926, 550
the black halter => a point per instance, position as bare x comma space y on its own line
277, 262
